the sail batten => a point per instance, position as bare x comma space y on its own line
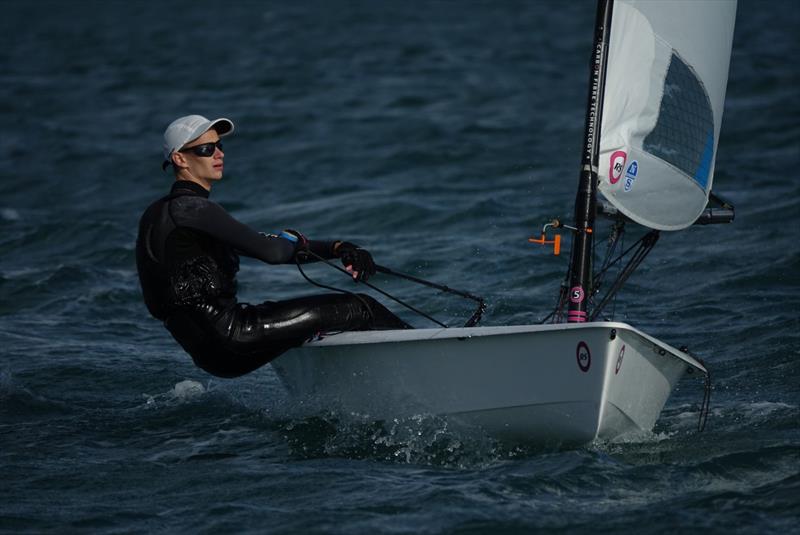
665, 91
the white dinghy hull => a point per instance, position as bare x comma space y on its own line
564, 383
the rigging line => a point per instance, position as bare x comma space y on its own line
623, 254
325, 286
646, 245
615, 238
622, 246
617, 231
705, 406
333, 288
393, 298
441, 287
636, 259
556, 313
476, 316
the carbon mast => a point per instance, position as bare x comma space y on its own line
579, 275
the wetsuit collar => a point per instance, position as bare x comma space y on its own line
184, 185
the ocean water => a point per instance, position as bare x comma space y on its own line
440, 135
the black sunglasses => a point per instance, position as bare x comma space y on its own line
205, 150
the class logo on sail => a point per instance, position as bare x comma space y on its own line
616, 165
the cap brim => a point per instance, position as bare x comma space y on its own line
222, 125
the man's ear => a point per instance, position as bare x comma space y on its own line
179, 160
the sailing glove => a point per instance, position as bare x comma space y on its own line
356, 260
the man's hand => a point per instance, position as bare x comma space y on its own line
357, 261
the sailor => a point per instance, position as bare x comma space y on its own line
187, 256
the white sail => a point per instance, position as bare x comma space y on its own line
662, 108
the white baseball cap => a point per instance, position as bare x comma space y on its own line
185, 129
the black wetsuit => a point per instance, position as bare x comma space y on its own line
187, 257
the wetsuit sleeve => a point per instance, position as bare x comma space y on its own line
206, 216
322, 248
209, 217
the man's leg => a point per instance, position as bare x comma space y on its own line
233, 341
303, 317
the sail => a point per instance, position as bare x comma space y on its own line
662, 108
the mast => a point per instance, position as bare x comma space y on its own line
579, 275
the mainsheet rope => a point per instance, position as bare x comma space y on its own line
471, 322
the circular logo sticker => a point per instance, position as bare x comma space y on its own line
619, 360
616, 166
584, 356
576, 294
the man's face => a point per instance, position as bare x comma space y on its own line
204, 167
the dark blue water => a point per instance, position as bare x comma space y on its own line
440, 135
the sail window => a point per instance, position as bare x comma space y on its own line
684, 131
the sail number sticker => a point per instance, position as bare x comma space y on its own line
584, 356
616, 165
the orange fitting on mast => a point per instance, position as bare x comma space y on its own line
556, 241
